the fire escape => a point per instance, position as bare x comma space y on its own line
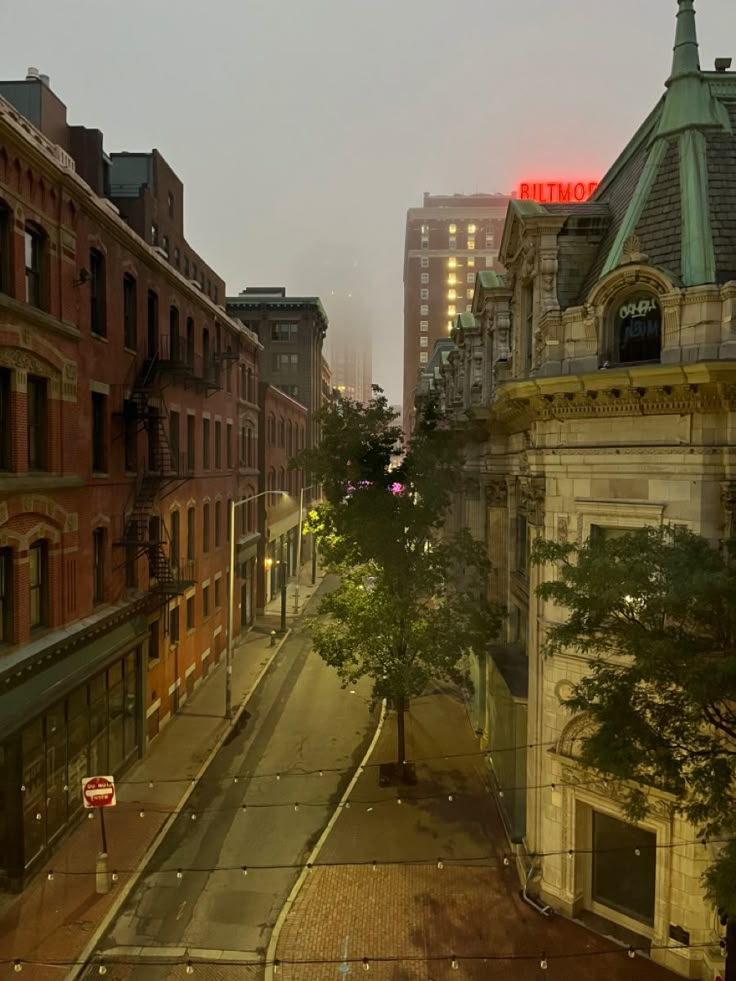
142, 407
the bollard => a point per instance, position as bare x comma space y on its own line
102, 877
273, 637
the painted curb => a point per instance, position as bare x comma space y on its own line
313, 855
85, 957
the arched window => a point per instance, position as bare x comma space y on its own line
35, 265
6, 245
282, 485
173, 333
637, 328
281, 431
289, 438
272, 429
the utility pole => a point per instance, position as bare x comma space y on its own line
283, 588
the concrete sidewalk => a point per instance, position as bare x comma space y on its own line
59, 912
417, 916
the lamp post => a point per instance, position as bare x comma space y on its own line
230, 598
299, 547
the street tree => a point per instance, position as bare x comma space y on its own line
412, 599
654, 611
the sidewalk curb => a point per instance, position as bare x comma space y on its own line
313, 855
85, 957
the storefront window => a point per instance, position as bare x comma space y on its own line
116, 695
34, 790
98, 726
624, 867
131, 704
56, 785
78, 745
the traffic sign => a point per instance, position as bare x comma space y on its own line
98, 792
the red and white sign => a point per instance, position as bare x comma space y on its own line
98, 791
556, 192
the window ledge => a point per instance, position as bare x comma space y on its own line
99, 337
33, 480
100, 473
37, 316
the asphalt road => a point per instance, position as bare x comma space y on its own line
299, 719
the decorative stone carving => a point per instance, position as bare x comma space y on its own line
728, 502
562, 529
531, 498
497, 493
632, 251
548, 296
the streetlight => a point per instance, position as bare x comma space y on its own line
230, 598
299, 546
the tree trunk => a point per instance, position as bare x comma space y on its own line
400, 710
730, 973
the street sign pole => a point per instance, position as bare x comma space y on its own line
99, 792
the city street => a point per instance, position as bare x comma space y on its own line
298, 721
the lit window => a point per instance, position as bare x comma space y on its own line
452, 229
453, 242
489, 261
489, 241
424, 325
470, 278
471, 262
424, 294
469, 294
425, 277
451, 310
451, 294
452, 279
425, 262
424, 310
468, 307
423, 357
425, 229
471, 229
423, 342
449, 325
471, 244
452, 262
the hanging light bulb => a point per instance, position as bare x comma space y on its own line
277, 967
375, 866
632, 953
450, 798
17, 966
102, 969
398, 800
90, 816
296, 806
454, 964
114, 877
189, 968
278, 776
570, 854
235, 779
66, 787
244, 808
141, 814
347, 805
22, 788
150, 784
179, 874
50, 875
245, 870
194, 817
637, 852
440, 864
543, 962
506, 860
321, 773
366, 964
500, 793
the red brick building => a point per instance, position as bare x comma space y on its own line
128, 419
283, 427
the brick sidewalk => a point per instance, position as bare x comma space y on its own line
419, 912
53, 920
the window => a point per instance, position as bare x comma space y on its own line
38, 584
177, 257
206, 528
174, 626
34, 257
170, 204
6, 266
424, 310
99, 434
425, 277
190, 613
471, 229
5, 430
190, 342
205, 602
471, 244
218, 523
424, 229
489, 241
521, 551
453, 242
206, 444
423, 325
423, 341
218, 445
218, 599
153, 645
152, 323
451, 311
471, 262
468, 307
451, 279
190, 534
637, 329
154, 233
175, 540
6, 596
470, 278
288, 363
624, 867
281, 432
423, 357
452, 262
424, 294
98, 565
229, 445
451, 294
97, 320
489, 262
272, 429
174, 427
186, 266
165, 245
229, 514
190, 443
37, 423
452, 229
469, 294
425, 262
284, 332
130, 325
425, 243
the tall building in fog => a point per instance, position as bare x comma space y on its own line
348, 345
448, 240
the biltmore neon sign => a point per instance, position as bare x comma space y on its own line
556, 192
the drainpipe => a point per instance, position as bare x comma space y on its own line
542, 908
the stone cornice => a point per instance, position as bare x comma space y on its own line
636, 391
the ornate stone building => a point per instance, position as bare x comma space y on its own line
597, 382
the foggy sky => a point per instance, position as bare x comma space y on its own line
304, 129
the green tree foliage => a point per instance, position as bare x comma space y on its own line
411, 601
655, 612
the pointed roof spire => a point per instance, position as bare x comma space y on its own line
685, 58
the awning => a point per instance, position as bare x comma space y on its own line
278, 528
25, 701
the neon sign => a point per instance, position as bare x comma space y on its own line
556, 192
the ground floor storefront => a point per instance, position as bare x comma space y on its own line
80, 717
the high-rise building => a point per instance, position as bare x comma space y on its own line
448, 240
348, 346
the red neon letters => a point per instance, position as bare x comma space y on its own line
556, 192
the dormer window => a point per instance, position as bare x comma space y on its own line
637, 329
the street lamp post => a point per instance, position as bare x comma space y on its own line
299, 548
231, 597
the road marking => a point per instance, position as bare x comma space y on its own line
181, 909
314, 854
